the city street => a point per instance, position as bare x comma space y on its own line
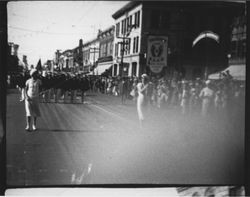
100, 142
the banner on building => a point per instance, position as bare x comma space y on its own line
157, 53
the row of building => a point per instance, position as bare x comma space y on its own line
15, 64
166, 38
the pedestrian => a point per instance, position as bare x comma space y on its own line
162, 94
184, 98
134, 92
218, 98
32, 99
123, 90
142, 88
193, 99
206, 95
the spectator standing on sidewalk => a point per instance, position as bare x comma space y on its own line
32, 99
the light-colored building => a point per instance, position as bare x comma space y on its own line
65, 61
125, 18
90, 52
105, 60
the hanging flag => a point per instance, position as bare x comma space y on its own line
39, 65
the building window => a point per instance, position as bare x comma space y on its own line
128, 24
117, 29
121, 51
116, 49
101, 50
130, 20
238, 39
108, 49
137, 19
105, 50
128, 46
123, 26
137, 44
111, 48
134, 68
134, 45
115, 69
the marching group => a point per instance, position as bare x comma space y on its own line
196, 96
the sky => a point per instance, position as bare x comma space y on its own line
42, 27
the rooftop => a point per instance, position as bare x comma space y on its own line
125, 8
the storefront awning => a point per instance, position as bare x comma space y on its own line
101, 69
238, 72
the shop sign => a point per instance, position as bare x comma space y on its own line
157, 53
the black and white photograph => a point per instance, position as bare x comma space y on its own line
126, 93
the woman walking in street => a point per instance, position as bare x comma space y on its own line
32, 99
142, 98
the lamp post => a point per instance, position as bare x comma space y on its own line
123, 43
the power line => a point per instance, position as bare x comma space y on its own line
45, 32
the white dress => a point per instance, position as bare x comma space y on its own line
32, 106
141, 102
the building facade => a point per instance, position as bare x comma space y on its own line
181, 23
90, 51
105, 60
127, 40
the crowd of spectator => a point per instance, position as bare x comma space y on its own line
189, 96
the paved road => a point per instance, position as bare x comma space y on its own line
100, 142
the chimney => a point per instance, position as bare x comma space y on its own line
80, 42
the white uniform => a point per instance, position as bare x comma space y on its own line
141, 101
32, 106
207, 97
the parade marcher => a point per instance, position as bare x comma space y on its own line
162, 94
134, 92
184, 98
115, 88
32, 99
109, 88
142, 99
175, 93
123, 90
150, 92
66, 88
206, 95
194, 99
218, 98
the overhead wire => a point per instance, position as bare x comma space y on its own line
45, 32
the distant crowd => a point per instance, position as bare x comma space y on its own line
189, 96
